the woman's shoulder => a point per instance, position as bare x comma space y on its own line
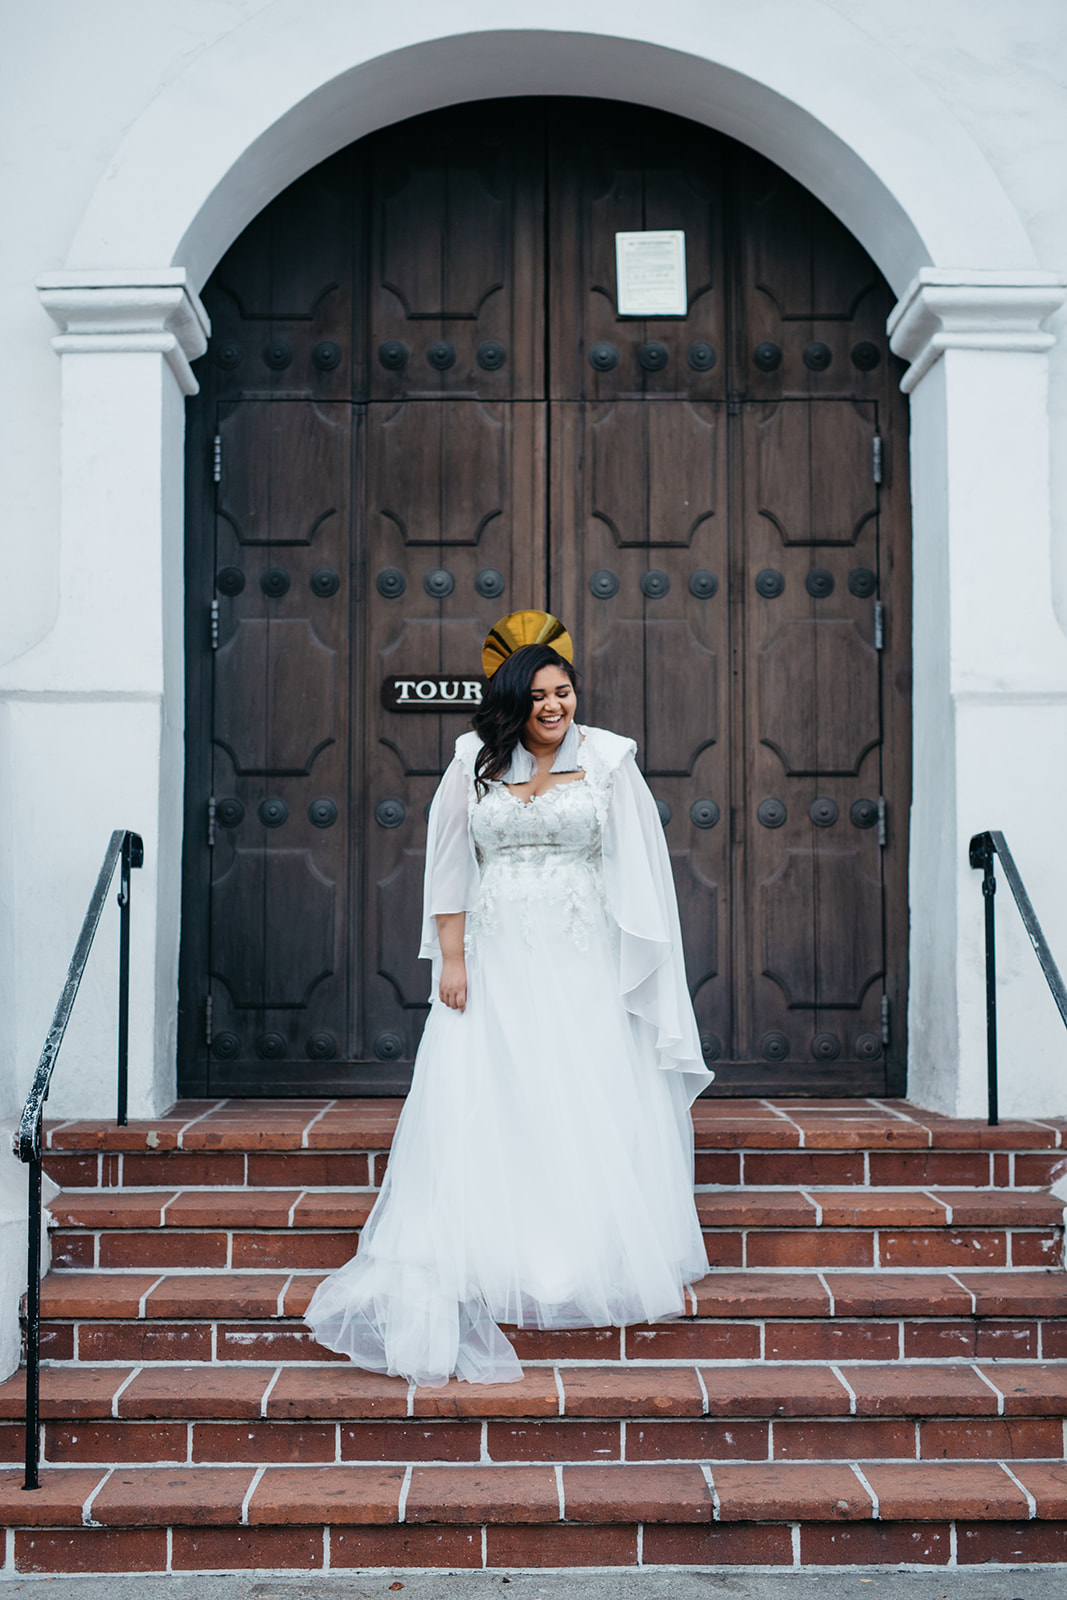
611, 749
467, 748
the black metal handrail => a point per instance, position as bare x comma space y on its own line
984, 849
127, 851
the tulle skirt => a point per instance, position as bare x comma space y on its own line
541, 1174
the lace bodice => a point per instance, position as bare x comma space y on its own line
547, 848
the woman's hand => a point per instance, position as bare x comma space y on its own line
453, 987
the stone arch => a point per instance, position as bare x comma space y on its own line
272, 98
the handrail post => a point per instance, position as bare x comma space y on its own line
124, 981
983, 855
33, 1328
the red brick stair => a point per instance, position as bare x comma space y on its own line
874, 1368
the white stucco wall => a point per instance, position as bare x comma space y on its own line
144, 135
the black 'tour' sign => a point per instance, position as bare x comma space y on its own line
432, 693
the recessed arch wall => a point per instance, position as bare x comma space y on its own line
800, 83
820, 98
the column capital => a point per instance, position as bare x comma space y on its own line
972, 309
104, 310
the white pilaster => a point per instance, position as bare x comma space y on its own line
96, 709
990, 661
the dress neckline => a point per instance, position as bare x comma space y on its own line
572, 783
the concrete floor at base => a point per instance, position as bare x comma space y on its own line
842, 1583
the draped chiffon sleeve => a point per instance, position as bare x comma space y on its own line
639, 887
451, 878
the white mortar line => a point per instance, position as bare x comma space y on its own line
810, 1198
640, 1544
560, 1392
705, 1403
189, 1444
963, 1286
890, 1111
785, 1117
936, 1198
87, 1507
483, 1447
249, 1492
402, 1502
990, 1385
622, 1440
1031, 1503
710, 1481
318, 1115
267, 1392
822, 1279
184, 1129
9, 1551
411, 1399
559, 1492
952, 1548
122, 1386
292, 1209
770, 1439
794, 1529
918, 1440
170, 1550
148, 1291
284, 1290
849, 1390
326, 1548
485, 1549
858, 1470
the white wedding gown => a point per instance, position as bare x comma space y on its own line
542, 1170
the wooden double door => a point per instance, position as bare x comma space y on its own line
421, 409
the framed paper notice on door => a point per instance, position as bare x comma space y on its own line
651, 273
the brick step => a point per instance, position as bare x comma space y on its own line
744, 1316
455, 1515
308, 1229
780, 1412
315, 1143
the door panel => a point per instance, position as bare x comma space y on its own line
650, 625
280, 919
456, 280
420, 410
618, 169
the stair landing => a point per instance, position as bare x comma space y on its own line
874, 1369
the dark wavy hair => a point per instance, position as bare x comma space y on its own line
503, 713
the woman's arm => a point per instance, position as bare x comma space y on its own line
451, 926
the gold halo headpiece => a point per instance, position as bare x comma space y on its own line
519, 628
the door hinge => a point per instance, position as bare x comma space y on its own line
879, 625
216, 460
208, 1035
214, 624
876, 456
883, 830
211, 823
885, 1019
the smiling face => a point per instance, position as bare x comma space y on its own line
554, 704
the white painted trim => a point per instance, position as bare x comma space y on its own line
944, 309
128, 312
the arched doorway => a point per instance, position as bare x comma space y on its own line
422, 408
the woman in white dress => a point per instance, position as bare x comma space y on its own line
542, 1169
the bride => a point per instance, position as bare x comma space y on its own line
542, 1169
